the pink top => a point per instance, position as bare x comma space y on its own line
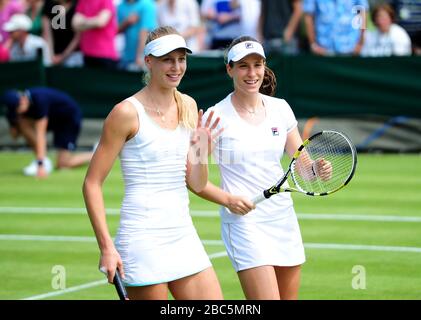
4, 54
100, 42
8, 10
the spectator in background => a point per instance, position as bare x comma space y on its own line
62, 40
8, 8
335, 27
278, 25
249, 16
389, 38
223, 21
409, 17
96, 21
184, 16
34, 11
4, 54
35, 111
136, 18
24, 46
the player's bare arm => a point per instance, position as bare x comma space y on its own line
120, 125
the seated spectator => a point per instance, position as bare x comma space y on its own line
34, 112
223, 22
331, 27
136, 18
97, 22
33, 11
184, 16
8, 8
279, 23
24, 46
62, 40
408, 17
389, 38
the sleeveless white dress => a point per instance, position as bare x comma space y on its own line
249, 157
156, 238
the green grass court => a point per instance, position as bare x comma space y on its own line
375, 223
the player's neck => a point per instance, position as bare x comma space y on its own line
163, 97
249, 101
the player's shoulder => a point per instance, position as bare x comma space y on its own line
122, 119
123, 111
271, 99
222, 105
275, 102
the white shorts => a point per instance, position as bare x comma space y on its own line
254, 244
152, 256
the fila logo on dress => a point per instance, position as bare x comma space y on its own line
275, 131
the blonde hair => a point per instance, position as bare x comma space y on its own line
185, 113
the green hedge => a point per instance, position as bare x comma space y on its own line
314, 86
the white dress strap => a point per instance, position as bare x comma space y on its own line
136, 103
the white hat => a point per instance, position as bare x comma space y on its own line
242, 49
18, 22
165, 44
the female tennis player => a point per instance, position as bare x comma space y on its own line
157, 132
263, 242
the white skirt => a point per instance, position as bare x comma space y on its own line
254, 244
152, 256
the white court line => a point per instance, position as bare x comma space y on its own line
68, 290
333, 246
339, 246
96, 283
42, 210
28, 237
330, 246
209, 213
356, 217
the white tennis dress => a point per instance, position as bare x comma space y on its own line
156, 238
249, 161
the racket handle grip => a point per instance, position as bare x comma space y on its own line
118, 283
258, 198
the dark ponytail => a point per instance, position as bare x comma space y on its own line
269, 81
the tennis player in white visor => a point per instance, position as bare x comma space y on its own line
155, 132
264, 241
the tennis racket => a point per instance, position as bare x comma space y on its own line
118, 283
119, 286
322, 165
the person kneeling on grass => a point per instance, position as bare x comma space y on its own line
33, 112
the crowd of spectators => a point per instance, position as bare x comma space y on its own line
112, 33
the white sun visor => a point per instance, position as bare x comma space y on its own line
165, 44
242, 49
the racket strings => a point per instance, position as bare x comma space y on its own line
334, 149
